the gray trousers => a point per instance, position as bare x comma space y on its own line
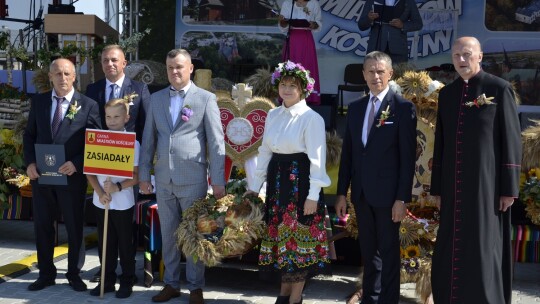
171, 201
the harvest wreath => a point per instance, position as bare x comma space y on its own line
214, 229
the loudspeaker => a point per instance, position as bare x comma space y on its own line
61, 9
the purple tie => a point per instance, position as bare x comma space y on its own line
371, 115
57, 119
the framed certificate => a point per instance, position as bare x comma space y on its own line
48, 159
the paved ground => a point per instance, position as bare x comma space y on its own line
233, 282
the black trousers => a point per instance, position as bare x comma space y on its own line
379, 246
48, 203
119, 244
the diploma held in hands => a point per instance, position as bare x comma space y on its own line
48, 159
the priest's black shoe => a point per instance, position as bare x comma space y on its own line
39, 284
124, 291
96, 291
77, 284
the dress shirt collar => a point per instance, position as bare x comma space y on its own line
296, 109
381, 95
119, 82
68, 97
185, 89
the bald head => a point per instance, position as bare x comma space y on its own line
467, 56
62, 75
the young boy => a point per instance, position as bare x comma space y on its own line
118, 193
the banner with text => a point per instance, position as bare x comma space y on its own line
234, 38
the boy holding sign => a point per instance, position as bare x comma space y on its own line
117, 193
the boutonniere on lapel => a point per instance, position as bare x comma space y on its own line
186, 112
480, 101
306, 10
129, 97
73, 110
384, 116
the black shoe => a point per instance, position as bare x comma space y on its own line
282, 300
77, 284
97, 276
97, 290
39, 284
124, 291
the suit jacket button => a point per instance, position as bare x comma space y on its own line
172, 152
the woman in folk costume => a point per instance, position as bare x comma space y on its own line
292, 160
299, 18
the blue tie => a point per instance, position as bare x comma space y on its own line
112, 95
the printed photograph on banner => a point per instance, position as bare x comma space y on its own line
513, 15
517, 62
231, 12
233, 56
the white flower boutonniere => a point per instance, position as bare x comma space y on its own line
384, 116
73, 110
480, 101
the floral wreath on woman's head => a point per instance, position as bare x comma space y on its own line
296, 70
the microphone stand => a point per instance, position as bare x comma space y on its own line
379, 31
287, 52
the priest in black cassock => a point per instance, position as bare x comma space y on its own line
475, 178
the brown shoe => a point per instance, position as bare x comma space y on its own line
196, 297
166, 293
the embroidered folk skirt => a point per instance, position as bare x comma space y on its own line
295, 246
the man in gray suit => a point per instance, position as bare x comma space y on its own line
183, 128
390, 21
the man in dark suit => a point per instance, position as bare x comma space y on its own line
390, 21
378, 162
59, 117
116, 85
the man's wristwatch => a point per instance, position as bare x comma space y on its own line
119, 185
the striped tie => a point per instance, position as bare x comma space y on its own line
371, 116
57, 119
